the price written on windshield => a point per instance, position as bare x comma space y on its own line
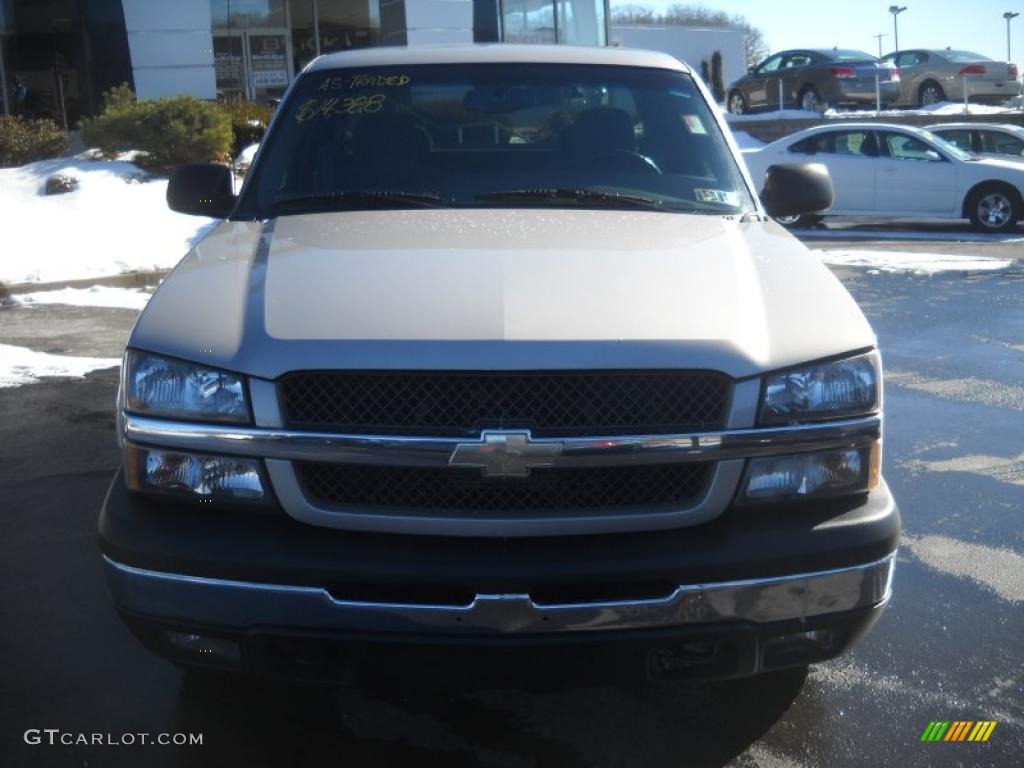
329, 107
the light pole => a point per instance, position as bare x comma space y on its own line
896, 10
879, 37
1009, 16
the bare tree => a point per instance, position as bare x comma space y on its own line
684, 15
634, 14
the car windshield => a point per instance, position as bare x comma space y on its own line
495, 135
949, 147
964, 56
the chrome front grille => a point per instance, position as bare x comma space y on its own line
463, 403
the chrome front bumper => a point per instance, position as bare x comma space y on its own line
248, 605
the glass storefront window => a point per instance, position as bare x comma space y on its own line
251, 50
227, 64
581, 22
243, 14
304, 42
528, 21
342, 24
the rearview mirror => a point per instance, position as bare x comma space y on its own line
201, 189
792, 190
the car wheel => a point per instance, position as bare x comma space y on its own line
930, 93
737, 103
994, 208
804, 221
810, 101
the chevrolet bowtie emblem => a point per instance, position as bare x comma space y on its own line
505, 454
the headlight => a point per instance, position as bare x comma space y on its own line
160, 386
842, 388
202, 477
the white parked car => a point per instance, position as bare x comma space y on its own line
899, 171
989, 139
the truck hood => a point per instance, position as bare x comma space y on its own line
500, 289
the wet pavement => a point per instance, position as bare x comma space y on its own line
950, 646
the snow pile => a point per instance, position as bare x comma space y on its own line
778, 114
19, 365
912, 235
94, 296
940, 109
116, 221
246, 155
910, 261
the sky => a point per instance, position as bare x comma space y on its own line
974, 25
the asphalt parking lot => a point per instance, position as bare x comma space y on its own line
950, 646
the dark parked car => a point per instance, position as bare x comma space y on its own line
813, 79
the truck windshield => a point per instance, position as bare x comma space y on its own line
494, 135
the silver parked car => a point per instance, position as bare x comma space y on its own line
929, 76
813, 79
986, 139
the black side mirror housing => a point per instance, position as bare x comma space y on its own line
792, 190
201, 189
751, 70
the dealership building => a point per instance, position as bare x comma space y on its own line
59, 56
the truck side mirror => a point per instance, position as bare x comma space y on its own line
201, 189
792, 190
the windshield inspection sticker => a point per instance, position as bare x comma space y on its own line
695, 124
715, 196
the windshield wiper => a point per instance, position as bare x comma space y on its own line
566, 194
362, 197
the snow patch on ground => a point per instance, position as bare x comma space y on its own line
911, 261
778, 114
1001, 570
19, 366
246, 155
94, 296
942, 108
965, 236
116, 221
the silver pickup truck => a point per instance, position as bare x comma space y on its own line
497, 349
